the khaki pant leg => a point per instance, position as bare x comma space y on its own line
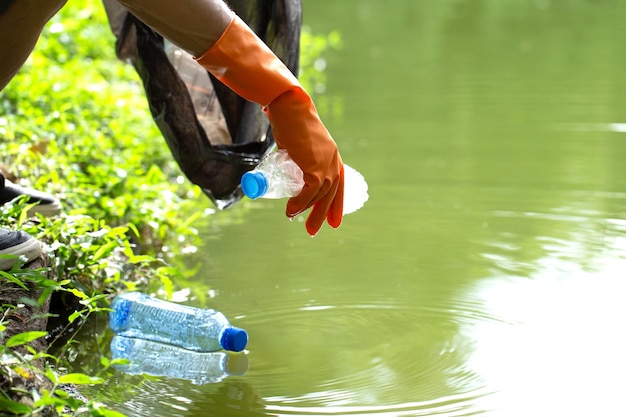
20, 26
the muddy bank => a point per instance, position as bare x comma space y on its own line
19, 382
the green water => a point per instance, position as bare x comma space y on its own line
485, 276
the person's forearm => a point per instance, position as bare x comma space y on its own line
194, 25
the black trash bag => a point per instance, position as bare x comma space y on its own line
214, 135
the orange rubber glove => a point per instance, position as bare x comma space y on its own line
246, 65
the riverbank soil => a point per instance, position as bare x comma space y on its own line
18, 381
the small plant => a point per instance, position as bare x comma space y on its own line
91, 261
59, 397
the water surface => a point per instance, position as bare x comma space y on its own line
485, 276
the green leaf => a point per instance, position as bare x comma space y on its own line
104, 361
134, 229
10, 277
119, 361
61, 393
44, 355
79, 379
28, 301
48, 399
105, 250
22, 338
105, 309
48, 283
110, 413
77, 293
13, 406
51, 375
119, 231
135, 259
44, 295
75, 315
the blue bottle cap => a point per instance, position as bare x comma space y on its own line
234, 339
118, 318
253, 184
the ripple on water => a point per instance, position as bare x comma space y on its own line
349, 356
365, 357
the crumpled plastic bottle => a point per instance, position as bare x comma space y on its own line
278, 176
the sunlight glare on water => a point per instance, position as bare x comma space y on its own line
563, 347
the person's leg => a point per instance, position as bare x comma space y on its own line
4, 4
21, 23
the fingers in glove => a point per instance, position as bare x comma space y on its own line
335, 213
311, 193
301, 202
320, 210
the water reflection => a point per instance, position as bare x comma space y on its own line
178, 398
359, 355
565, 350
559, 348
158, 359
449, 406
539, 333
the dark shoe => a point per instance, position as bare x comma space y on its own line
48, 205
17, 244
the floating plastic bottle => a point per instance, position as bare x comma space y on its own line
278, 176
159, 359
141, 316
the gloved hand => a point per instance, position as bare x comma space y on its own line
246, 65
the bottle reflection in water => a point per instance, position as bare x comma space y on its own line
159, 359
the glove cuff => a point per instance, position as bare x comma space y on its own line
245, 64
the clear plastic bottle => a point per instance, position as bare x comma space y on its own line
159, 359
203, 330
278, 176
